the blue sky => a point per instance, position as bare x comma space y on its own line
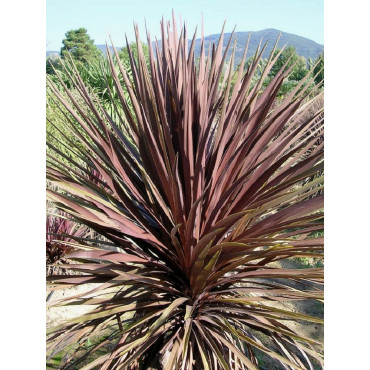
116, 17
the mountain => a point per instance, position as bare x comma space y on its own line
51, 53
304, 47
103, 49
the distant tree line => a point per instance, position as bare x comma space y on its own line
94, 69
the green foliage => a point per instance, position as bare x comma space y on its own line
310, 262
79, 45
288, 57
133, 47
319, 70
58, 136
98, 79
97, 74
259, 70
298, 72
52, 62
201, 185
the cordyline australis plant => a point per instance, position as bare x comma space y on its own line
60, 231
204, 187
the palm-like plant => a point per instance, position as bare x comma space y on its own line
202, 192
60, 231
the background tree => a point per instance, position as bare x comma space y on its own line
298, 72
259, 70
125, 57
320, 66
52, 60
80, 45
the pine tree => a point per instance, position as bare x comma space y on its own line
80, 45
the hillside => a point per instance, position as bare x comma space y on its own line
305, 47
